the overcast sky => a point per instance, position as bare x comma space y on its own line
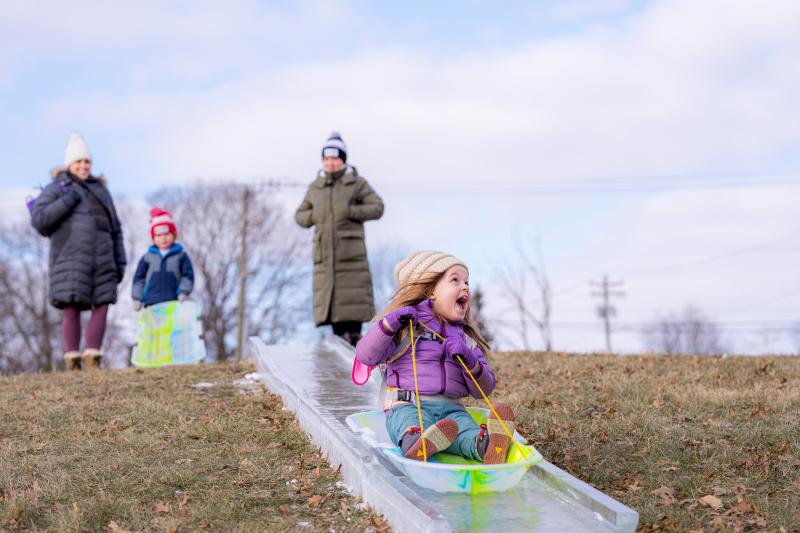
655, 141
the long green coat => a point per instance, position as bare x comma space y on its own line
337, 206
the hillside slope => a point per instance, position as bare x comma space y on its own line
161, 450
690, 442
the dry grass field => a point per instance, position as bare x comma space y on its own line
692, 443
140, 450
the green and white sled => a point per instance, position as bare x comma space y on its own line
170, 333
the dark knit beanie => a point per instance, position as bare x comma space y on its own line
335, 147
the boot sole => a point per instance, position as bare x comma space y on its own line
437, 437
499, 443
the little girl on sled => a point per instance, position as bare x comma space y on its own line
433, 294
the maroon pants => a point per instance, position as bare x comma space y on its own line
71, 328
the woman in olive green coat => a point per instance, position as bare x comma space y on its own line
337, 204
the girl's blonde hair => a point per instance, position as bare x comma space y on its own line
421, 289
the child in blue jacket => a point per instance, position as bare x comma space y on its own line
165, 271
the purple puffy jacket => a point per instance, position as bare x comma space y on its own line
436, 372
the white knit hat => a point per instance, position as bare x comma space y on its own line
76, 150
411, 269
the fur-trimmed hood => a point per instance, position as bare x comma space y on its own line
57, 171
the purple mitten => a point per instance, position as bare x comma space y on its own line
399, 317
454, 346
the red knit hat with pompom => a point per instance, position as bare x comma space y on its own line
161, 222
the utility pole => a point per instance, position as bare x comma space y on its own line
606, 310
243, 272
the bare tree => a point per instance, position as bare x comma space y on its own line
29, 325
688, 332
209, 222
530, 296
477, 306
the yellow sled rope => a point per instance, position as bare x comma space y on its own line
416, 391
460, 360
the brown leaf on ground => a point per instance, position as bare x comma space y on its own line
666, 496
630, 483
783, 448
719, 524
162, 507
113, 527
184, 501
314, 501
379, 524
761, 411
711, 501
742, 506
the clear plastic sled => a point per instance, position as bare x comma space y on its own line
169, 334
444, 472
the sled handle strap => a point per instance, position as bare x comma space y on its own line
416, 390
485, 398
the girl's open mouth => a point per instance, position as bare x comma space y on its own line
462, 302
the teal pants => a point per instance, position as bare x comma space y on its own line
405, 416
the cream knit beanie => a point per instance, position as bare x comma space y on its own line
411, 269
76, 150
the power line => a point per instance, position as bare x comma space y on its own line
743, 326
565, 187
756, 248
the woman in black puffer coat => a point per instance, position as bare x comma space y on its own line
87, 254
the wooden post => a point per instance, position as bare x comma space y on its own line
241, 311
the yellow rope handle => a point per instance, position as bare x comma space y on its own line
485, 398
416, 391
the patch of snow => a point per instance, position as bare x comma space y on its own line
249, 384
344, 486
